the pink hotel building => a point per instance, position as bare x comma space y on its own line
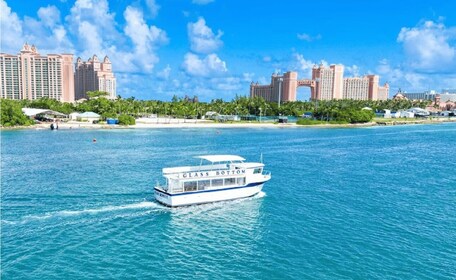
327, 83
94, 75
29, 75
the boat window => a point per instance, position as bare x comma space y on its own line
176, 188
203, 184
230, 181
217, 182
257, 171
190, 186
241, 181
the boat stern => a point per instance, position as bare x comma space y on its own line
162, 196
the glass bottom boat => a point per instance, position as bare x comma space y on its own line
217, 178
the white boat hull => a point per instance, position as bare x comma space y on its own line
206, 196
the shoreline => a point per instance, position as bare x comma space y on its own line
206, 124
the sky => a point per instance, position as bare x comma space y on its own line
215, 49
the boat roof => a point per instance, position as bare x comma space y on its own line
220, 158
249, 164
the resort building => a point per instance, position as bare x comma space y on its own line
440, 101
29, 75
425, 95
94, 75
282, 88
327, 83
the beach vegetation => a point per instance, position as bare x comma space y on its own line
349, 111
12, 115
126, 120
96, 94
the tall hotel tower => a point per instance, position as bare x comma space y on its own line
94, 75
327, 83
29, 75
331, 84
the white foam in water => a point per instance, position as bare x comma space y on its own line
68, 213
260, 195
218, 205
139, 205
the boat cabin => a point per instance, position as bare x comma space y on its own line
214, 172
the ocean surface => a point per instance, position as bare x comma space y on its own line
359, 203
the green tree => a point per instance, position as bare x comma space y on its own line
12, 115
126, 120
96, 94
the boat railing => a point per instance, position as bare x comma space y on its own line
175, 170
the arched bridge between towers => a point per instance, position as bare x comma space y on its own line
306, 83
310, 83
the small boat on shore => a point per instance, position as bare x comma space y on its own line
216, 178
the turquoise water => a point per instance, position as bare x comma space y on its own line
366, 203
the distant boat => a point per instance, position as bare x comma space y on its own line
224, 177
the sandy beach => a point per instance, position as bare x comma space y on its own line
181, 124
185, 123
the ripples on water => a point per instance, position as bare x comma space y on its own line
342, 204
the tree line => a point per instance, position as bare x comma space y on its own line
346, 109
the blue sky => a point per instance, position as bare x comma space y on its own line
214, 49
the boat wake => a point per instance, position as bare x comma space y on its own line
140, 205
143, 205
216, 207
260, 195
71, 213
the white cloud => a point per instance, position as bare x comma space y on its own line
202, 2
143, 36
389, 73
248, 77
427, 46
307, 37
46, 32
202, 39
352, 71
226, 83
96, 13
95, 30
164, 73
93, 42
176, 83
398, 77
145, 39
415, 80
305, 66
263, 81
50, 16
153, 7
11, 29
208, 66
